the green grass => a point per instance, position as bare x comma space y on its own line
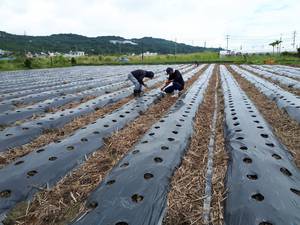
203, 57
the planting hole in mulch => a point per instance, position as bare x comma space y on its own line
5, 194
258, 197
137, 198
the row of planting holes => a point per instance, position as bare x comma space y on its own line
281, 96
137, 197
61, 115
41, 89
257, 196
56, 100
7, 193
40, 106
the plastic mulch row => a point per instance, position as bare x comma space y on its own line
288, 73
12, 115
34, 79
62, 87
18, 135
281, 79
284, 99
38, 97
44, 167
262, 180
135, 191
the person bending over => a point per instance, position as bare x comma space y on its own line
136, 77
174, 83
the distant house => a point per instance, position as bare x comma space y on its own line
224, 53
4, 52
29, 55
122, 42
123, 59
150, 53
74, 54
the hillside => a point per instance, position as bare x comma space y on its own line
93, 45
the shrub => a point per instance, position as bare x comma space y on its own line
28, 63
298, 52
73, 61
108, 59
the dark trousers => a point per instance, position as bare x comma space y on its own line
173, 87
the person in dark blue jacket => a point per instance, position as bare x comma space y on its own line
136, 77
174, 83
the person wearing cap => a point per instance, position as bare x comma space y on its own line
174, 83
136, 77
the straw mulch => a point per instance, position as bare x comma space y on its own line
220, 167
185, 200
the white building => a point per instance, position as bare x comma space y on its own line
122, 42
74, 54
149, 53
224, 53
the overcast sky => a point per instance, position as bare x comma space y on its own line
251, 24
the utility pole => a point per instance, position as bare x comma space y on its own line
142, 50
175, 47
227, 39
204, 44
294, 39
280, 43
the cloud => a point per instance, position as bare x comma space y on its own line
271, 7
192, 21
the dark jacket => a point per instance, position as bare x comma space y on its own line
176, 77
141, 74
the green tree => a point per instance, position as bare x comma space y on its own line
73, 61
28, 63
273, 45
276, 43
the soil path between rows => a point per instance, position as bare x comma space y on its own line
185, 200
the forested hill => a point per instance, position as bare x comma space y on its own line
64, 43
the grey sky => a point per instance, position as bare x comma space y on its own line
251, 24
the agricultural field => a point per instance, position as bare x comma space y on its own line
76, 147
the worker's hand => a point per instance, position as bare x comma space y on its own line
162, 88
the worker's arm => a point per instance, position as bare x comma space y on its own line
166, 84
145, 85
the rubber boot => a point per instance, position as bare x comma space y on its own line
135, 93
139, 93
